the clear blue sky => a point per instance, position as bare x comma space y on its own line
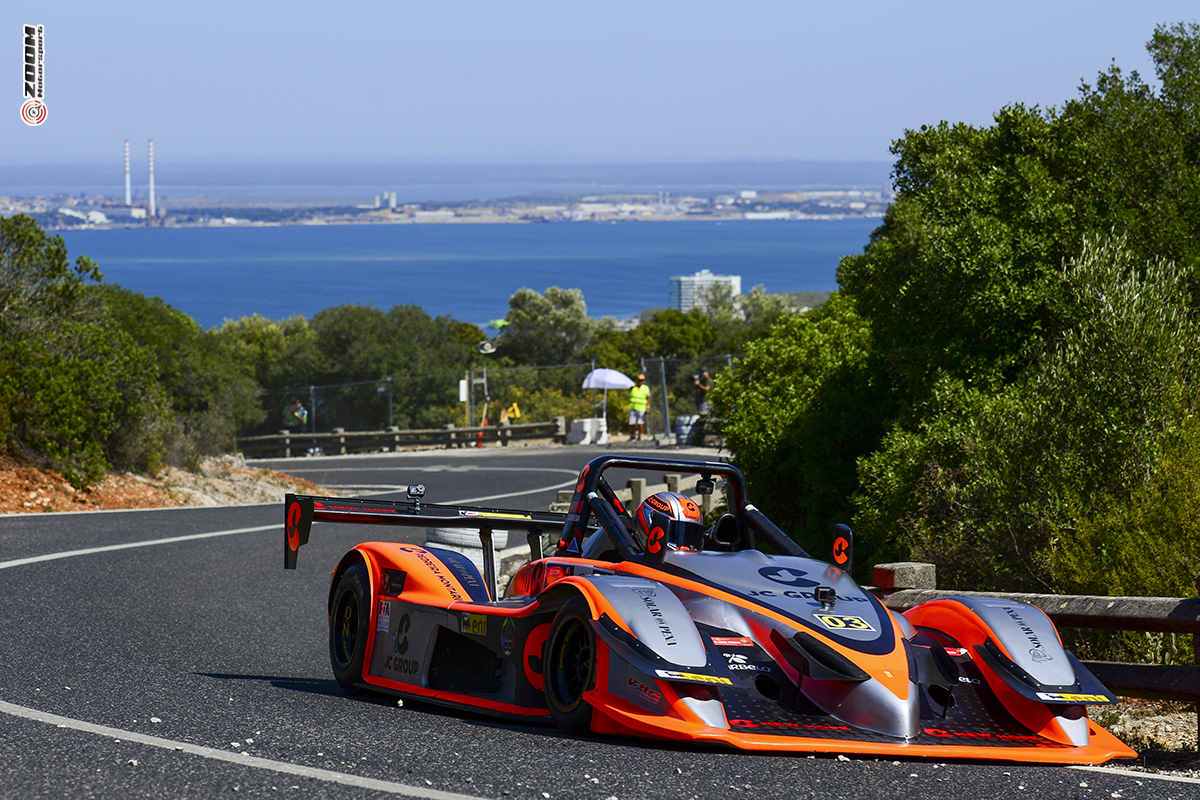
541, 82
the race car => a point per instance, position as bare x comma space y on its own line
659, 623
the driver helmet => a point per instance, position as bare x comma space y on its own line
670, 519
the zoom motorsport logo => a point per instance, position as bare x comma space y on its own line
33, 110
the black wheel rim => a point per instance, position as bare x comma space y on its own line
572, 664
346, 635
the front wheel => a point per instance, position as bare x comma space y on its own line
348, 627
569, 666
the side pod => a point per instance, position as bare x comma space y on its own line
1017, 650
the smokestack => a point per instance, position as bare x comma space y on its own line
128, 201
152, 212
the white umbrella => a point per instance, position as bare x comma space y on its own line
607, 379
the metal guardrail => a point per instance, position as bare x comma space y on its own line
341, 442
1180, 682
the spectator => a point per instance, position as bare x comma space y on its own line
295, 416
639, 401
703, 387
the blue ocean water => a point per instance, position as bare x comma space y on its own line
467, 271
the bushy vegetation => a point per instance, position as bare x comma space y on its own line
95, 377
1004, 383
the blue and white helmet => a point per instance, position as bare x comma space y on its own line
670, 519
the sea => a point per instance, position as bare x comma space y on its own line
467, 271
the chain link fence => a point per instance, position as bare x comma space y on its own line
520, 394
675, 400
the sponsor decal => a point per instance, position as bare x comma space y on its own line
393, 582
508, 635
654, 540
837, 622
384, 619
434, 567
492, 515
33, 108
474, 624
649, 694
788, 577
991, 737
654, 501
740, 661
733, 641
293, 526
841, 549
1064, 697
400, 637
956, 651
800, 595
671, 675
747, 723
965, 679
405, 666
396, 662
582, 476
648, 599
1038, 651
690, 509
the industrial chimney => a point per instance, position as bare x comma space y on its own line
128, 200
152, 212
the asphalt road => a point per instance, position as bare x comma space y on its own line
167, 653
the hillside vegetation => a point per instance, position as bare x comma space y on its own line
1005, 384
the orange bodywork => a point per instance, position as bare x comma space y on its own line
431, 588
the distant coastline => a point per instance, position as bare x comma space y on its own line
207, 194
72, 213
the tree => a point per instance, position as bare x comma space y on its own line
799, 409
550, 328
988, 483
76, 386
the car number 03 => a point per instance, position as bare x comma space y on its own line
837, 623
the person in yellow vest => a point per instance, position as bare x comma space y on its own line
639, 401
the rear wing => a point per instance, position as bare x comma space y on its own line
301, 511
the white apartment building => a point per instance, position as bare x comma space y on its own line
685, 289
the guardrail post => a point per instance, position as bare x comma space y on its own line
560, 429
637, 492
450, 426
395, 431
287, 444
505, 433
341, 440
672, 482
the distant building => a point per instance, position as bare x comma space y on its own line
685, 289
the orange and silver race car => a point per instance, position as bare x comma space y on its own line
654, 622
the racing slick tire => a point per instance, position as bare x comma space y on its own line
350, 614
569, 666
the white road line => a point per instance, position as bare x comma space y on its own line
1130, 773
20, 562
233, 758
562, 485
131, 545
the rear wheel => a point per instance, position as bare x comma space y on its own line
348, 627
569, 666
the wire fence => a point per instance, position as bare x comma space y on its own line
486, 396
